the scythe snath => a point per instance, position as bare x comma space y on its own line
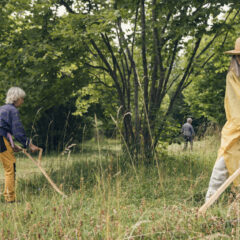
216, 195
17, 148
38, 163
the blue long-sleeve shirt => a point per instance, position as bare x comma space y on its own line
10, 123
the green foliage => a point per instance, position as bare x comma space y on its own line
86, 97
41, 54
205, 95
175, 28
85, 56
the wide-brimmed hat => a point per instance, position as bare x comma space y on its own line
236, 51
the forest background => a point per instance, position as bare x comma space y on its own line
134, 68
127, 73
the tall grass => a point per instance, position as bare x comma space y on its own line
107, 201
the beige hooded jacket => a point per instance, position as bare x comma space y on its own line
230, 140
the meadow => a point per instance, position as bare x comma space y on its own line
109, 197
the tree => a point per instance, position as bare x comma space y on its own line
144, 64
209, 85
42, 55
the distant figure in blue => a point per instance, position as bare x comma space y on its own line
188, 133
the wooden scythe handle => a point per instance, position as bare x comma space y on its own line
216, 195
40, 155
38, 163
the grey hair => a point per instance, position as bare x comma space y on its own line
13, 94
189, 120
234, 65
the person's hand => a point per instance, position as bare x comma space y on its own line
16, 148
33, 148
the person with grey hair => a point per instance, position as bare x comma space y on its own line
188, 133
10, 124
228, 159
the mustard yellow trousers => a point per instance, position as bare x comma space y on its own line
8, 160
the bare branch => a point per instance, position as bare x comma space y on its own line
111, 72
103, 83
167, 20
129, 69
114, 59
178, 90
190, 62
158, 62
161, 92
215, 36
97, 67
144, 58
66, 5
173, 81
135, 26
136, 88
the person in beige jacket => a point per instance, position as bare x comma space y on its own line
228, 160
